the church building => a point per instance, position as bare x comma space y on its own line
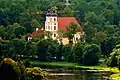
54, 25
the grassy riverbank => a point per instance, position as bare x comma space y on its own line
115, 73
66, 64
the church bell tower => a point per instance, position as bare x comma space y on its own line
51, 23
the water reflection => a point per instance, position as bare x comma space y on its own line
79, 75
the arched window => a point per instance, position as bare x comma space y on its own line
54, 27
54, 19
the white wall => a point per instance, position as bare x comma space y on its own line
51, 23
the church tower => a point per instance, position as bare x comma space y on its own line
51, 23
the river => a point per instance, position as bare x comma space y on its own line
64, 74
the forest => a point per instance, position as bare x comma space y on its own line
100, 20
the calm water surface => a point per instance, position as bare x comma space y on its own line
77, 75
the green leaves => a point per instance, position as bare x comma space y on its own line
71, 31
91, 55
113, 60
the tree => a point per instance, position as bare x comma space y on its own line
114, 59
35, 23
61, 34
16, 47
46, 49
15, 70
67, 12
77, 51
9, 34
108, 45
2, 31
4, 47
90, 32
19, 32
11, 70
59, 52
52, 46
71, 31
91, 54
67, 53
38, 38
30, 48
100, 37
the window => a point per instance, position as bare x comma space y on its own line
54, 19
77, 38
54, 27
48, 27
54, 23
51, 27
54, 35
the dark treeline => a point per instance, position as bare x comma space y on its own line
100, 20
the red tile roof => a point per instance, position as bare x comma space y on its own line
39, 31
64, 22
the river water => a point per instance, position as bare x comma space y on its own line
77, 74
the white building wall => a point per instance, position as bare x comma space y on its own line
50, 22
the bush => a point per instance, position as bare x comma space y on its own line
11, 70
36, 73
27, 63
114, 59
91, 55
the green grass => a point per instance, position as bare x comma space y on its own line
66, 64
57, 64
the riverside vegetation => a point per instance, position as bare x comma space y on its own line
100, 20
14, 70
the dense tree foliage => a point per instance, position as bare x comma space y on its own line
114, 59
100, 20
91, 55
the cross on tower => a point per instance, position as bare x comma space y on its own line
67, 3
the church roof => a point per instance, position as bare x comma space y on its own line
39, 31
64, 22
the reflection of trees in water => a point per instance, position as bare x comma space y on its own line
82, 75
91, 76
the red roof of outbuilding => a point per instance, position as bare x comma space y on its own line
39, 31
64, 22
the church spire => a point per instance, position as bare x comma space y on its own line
48, 13
54, 13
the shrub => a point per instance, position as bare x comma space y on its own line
36, 73
91, 55
27, 63
114, 59
11, 70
